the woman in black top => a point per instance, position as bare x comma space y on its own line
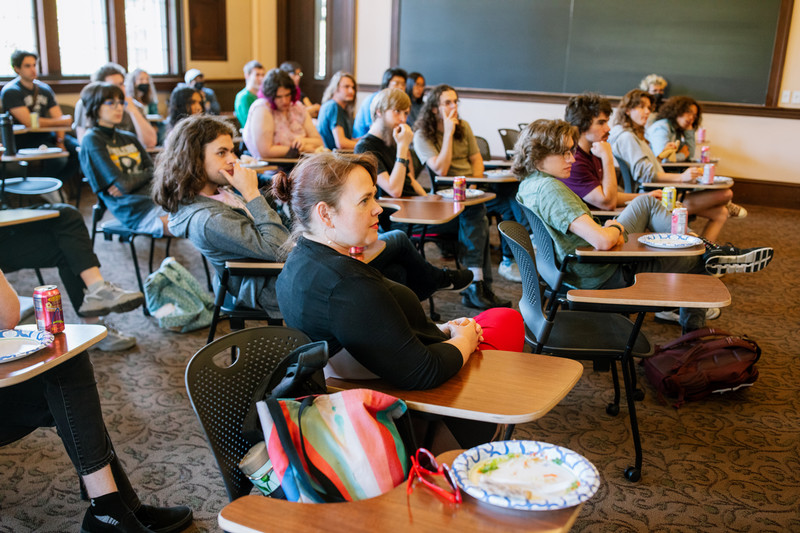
331, 296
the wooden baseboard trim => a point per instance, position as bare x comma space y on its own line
767, 193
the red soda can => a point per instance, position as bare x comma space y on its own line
459, 188
48, 309
357, 252
680, 220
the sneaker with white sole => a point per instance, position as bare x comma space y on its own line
728, 259
508, 269
674, 315
108, 298
115, 340
736, 211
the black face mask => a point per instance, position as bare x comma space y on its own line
657, 99
199, 85
143, 88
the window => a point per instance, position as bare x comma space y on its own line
74, 37
320, 39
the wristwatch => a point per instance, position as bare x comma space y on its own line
401, 160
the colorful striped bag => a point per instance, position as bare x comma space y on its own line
335, 447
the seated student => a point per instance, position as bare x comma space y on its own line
118, 167
544, 157
628, 143
674, 127
277, 124
335, 122
253, 76
655, 86
393, 78
64, 243
380, 324
415, 89
445, 143
215, 203
140, 86
295, 71
133, 117
183, 102
194, 78
25, 95
66, 397
593, 177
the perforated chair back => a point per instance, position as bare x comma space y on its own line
627, 177
483, 146
221, 395
545, 251
530, 306
509, 138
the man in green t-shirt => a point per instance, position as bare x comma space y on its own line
253, 75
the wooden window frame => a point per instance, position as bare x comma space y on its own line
50, 60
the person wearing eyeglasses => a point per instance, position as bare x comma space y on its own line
118, 167
295, 71
545, 153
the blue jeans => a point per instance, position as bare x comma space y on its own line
65, 397
646, 213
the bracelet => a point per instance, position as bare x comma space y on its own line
401, 160
617, 228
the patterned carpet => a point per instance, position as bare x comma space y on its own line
729, 463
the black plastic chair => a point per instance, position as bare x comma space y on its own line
225, 304
597, 333
509, 138
628, 182
220, 391
483, 147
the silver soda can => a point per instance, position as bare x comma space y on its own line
708, 173
668, 197
680, 220
459, 188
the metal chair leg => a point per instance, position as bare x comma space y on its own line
39, 276
632, 473
138, 273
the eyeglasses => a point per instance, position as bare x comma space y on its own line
570, 153
423, 464
114, 103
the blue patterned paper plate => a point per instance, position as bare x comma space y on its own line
553, 477
15, 344
669, 240
470, 193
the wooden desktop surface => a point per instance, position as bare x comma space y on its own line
633, 248
687, 185
73, 340
493, 386
660, 289
33, 157
429, 209
11, 217
394, 511
488, 177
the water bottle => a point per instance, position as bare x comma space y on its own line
7, 131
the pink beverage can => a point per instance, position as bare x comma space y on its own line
668, 197
701, 135
459, 188
708, 174
680, 220
357, 252
48, 309
705, 155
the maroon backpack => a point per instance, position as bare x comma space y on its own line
701, 362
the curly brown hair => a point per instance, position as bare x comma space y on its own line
180, 172
538, 140
630, 101
317, 178
676, 106
428, 121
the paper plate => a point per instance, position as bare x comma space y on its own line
722, 179
448, 193
527, 475
498, 173
15, 344
37, 151
669, 240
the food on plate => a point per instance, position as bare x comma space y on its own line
528, 476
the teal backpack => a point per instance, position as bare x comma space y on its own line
176, 299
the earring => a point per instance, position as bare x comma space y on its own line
330, 241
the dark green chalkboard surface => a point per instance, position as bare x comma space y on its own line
714, 50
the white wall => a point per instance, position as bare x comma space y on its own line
750, 147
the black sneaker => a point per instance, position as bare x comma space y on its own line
103, 523
730, 259
492, 297
164, 519
456, 279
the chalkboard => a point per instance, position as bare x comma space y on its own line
713, 50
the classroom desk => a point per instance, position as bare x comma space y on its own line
12, 217
687, 186
496, 163
19, 129
431, 209
633, 249
259, 166
28, 185
395, 511
686, 164
492, 176
493, 386
73, 340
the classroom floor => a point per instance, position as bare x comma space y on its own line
729, 463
